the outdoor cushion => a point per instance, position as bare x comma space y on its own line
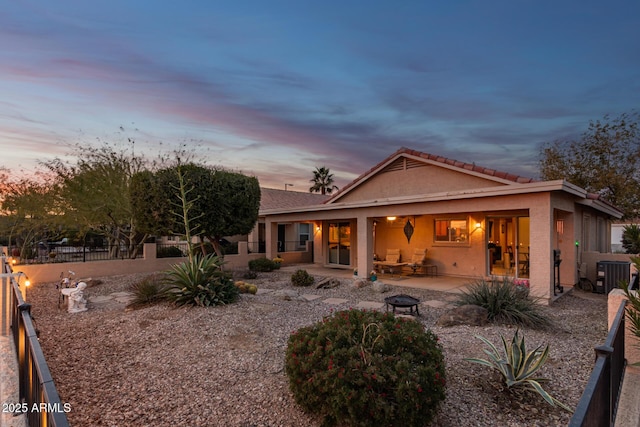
393, 255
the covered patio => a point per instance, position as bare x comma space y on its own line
472, 222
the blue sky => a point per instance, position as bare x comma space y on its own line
276, 88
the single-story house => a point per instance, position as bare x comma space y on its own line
472, 221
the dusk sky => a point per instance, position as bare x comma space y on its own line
276, 88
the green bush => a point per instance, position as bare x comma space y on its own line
202, 282
263, 264
505, 302
302, 278
364, 368
169, 252
149, 290
519, 367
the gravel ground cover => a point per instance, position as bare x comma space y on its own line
224, 366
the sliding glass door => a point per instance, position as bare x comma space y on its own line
340, 243
508, 246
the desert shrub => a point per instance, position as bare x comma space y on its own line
505, 302
263, 264
202, 282
519, 367
365, 368
149, 290
302, 278
169, 252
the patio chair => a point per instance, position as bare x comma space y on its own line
418, 260
393, 255
391, 260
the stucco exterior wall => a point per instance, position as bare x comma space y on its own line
424, 179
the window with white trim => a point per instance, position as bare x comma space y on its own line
304, 233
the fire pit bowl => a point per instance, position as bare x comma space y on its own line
402, 301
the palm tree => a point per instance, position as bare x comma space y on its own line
322, 181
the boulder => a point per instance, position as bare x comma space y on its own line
379, 287
328, 283
286, 294
360, 283
469, 314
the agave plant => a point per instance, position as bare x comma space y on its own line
519, 367
201, 281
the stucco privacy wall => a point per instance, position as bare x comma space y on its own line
45, 273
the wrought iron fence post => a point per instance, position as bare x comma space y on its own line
23, 348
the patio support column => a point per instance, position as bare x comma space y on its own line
364, 260
541, 255
271, 238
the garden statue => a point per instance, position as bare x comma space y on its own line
77, 302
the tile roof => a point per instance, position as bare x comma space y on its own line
444, 160
282, 199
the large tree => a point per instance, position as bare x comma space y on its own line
28, 211
221, 203
94, 193
322, 181
605, 160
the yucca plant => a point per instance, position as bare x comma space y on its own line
518, 367
201, 281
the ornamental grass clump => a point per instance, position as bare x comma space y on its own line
505, 302
363, 368
519, 368
150, 290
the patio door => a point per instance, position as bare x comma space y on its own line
340, 243
508, 246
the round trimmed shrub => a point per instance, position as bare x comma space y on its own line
263, 265
302, 278
364, 368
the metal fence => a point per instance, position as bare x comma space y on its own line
37, 392
68, 253
292, 246
597, 406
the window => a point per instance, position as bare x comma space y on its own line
451, 230
304, 232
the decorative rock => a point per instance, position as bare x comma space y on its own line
468, 314
328, 283
360, 283
379, 286
286, 294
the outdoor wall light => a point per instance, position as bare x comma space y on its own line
478, 225
391, 218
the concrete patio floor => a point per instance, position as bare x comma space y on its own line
434, 283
